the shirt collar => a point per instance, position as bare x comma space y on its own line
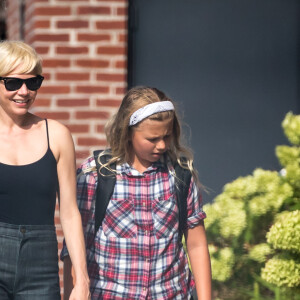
125, 168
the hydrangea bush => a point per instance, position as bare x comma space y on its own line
253, 229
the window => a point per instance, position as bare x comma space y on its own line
2, 21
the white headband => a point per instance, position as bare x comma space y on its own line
149, 110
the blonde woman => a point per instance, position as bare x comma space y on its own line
36, 165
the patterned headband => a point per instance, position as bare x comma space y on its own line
149, 110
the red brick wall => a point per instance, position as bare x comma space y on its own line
83, 44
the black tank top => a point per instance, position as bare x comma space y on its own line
28, 192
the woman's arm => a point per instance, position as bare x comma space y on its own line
62, 146
200, 261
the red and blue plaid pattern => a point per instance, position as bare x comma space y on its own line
135, 254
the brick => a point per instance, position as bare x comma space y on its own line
111, 77
121, 91
91, 142
53, 11
41, 24
72, 102
42, 50
72, 76
112, 1
50, 89
60, 239
59, 232
93, 10
122, 11
47, 77
83, 115
122, 38
108, 102
92, 63
56, 219
51, 38
42, 102
112, 50
54, 115
100, 128
93, 37
111, 25
122, 64
78, 128
72, 24
90, 89
54, 63
81, 155
72, 50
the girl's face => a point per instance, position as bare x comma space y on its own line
149, 141
19, 101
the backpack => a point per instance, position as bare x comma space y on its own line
107, 183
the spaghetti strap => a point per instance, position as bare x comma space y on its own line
47, 133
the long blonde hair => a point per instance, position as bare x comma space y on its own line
118, 131
17, 54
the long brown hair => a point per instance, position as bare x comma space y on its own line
118, 131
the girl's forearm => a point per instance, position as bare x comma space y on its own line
200, 261
200, 264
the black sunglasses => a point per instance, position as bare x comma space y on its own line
13, 84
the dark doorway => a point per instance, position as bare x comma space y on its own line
2, 30
2, 21
232, 67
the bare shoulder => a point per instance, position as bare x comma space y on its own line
57, 128
59, 137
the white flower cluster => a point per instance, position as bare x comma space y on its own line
285, 233
270, 194
260, 252
282, 271
230, 222
222, 261
291, 127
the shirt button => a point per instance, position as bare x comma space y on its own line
23, 230
146, 232
144, 289
144, 204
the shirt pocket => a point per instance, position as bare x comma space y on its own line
119, 220
165, 216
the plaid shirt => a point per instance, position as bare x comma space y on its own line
135, 254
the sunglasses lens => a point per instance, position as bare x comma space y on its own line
34, 83
13, 84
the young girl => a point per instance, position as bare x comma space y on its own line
136, 253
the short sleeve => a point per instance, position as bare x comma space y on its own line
194, 206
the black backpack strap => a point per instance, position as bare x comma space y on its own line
105, 188
182, 185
